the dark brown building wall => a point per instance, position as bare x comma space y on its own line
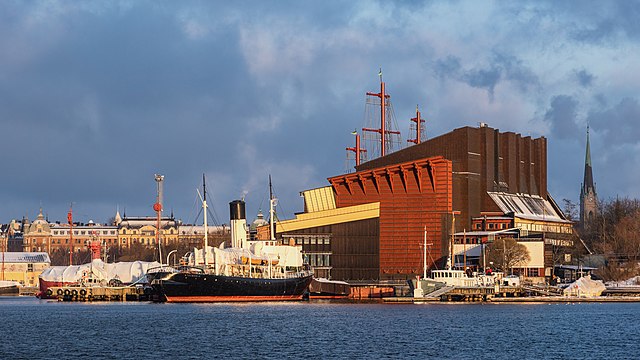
354, 248
483, 159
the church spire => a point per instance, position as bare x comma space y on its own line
588, 185
588, 197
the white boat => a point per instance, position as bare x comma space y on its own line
9, 287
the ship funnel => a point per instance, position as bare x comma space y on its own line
238, 224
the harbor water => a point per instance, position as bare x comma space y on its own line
38, 329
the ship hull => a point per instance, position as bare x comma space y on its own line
9, 290
189, 287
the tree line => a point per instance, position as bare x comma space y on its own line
614, 234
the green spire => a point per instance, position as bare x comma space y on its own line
587, 159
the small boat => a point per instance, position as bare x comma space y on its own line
321, 288
247, 271
8, 287
93, 274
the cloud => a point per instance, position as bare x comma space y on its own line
487, 75
100, 96
619, 122
562, 116
584, 78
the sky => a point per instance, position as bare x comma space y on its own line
98, 96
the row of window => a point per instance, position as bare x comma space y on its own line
147, 232
312, 239
318, 259
491, 226
85, 232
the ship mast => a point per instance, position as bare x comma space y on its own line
356, 149
70, 220
418, 127
272, 203
158, 209
383, 131
206, 231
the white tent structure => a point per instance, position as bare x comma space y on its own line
585, 287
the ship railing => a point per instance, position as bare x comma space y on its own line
262, 272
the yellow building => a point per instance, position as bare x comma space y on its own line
24, 267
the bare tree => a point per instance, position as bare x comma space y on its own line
570, 209
627, 237
507, 253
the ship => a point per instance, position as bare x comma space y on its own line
96, 273
258, 270
9, 287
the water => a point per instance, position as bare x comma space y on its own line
35, 329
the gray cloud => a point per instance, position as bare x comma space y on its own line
619, 122
501, 67
562, 116
584, 78
97, 97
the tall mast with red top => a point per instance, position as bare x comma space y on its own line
157, 207
383, 131
418, 124
70, 220
356, 149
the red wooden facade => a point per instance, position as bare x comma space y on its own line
412, 195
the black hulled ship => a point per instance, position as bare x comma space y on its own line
260, 270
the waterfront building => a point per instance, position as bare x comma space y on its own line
142, 230
14, 236
193, 235
83, 234
36, 235
370, 225
588, 196
24, 267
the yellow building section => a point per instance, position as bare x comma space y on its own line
319, 199
545, 225
328, 217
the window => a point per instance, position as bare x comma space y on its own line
313, 240
30, 267
306, 240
